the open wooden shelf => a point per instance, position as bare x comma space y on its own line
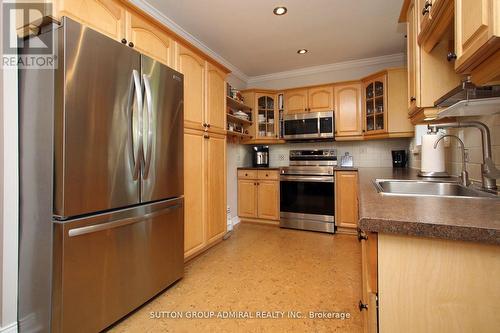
234, 104
238, 134
235, 119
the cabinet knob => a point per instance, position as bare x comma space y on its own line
451, 56
206, 136
413, 99
208, 125
246, 174
255, 183
362, 306
205, 124
361, 235
427, 7
124, 41
267, 175
130, 44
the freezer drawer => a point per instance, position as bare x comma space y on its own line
108, 265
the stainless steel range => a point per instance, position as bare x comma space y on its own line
307, 196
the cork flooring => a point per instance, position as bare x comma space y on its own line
261, 271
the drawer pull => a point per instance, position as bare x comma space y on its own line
362, 306
119, 223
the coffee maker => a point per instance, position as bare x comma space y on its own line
260, 156
399, 158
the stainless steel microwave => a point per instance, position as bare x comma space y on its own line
309, 126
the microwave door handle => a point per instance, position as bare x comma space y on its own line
149, 108
139, 103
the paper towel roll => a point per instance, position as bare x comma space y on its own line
432, 159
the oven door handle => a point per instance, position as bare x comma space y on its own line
311, 179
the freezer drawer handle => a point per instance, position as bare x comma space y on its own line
120, 223
149, 108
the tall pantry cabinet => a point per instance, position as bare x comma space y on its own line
204, 152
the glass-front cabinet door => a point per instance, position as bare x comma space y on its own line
267, 117
375, 105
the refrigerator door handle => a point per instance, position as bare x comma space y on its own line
149, 107
115, 224
137, 86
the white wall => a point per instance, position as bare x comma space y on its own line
8, 197
345, 71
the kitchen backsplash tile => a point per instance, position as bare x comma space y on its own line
375, 153
472, 141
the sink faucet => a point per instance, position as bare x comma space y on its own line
464, 174
489, 173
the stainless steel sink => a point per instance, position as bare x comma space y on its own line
429, 188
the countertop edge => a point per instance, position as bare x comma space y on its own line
429, 230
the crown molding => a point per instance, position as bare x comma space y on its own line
386, 59
162, 18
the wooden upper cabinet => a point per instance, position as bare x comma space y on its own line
105, 16
216, 97
193, 68
216, 185
148, 39
268, 199
375, 105
477, 37
348, 114
296, 101
320, 99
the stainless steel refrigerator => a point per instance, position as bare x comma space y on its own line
101, 183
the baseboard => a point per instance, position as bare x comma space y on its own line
235, 220
11, 328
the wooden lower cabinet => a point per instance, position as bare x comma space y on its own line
346, 193
415, 284
247, 198
259, 195
268, 199
368, 304
194, 191
204, 190
216, 187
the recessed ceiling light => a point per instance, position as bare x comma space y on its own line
280, 11
302, 51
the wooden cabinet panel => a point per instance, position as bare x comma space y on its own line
105, 16
320, 99
216, 186
194, 189
268, 199
348, 121
411, 48
247, 174
369, 281
397, 111
375, 105
148, 39
477, 39
216, 97
437, 285
295, 101
268, 174
247, 198
193, 68
346, 192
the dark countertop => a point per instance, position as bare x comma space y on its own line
337, 168
466, 219
259, 168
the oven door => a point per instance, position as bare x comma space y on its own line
307, 202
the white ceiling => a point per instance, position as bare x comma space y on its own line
252, 38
